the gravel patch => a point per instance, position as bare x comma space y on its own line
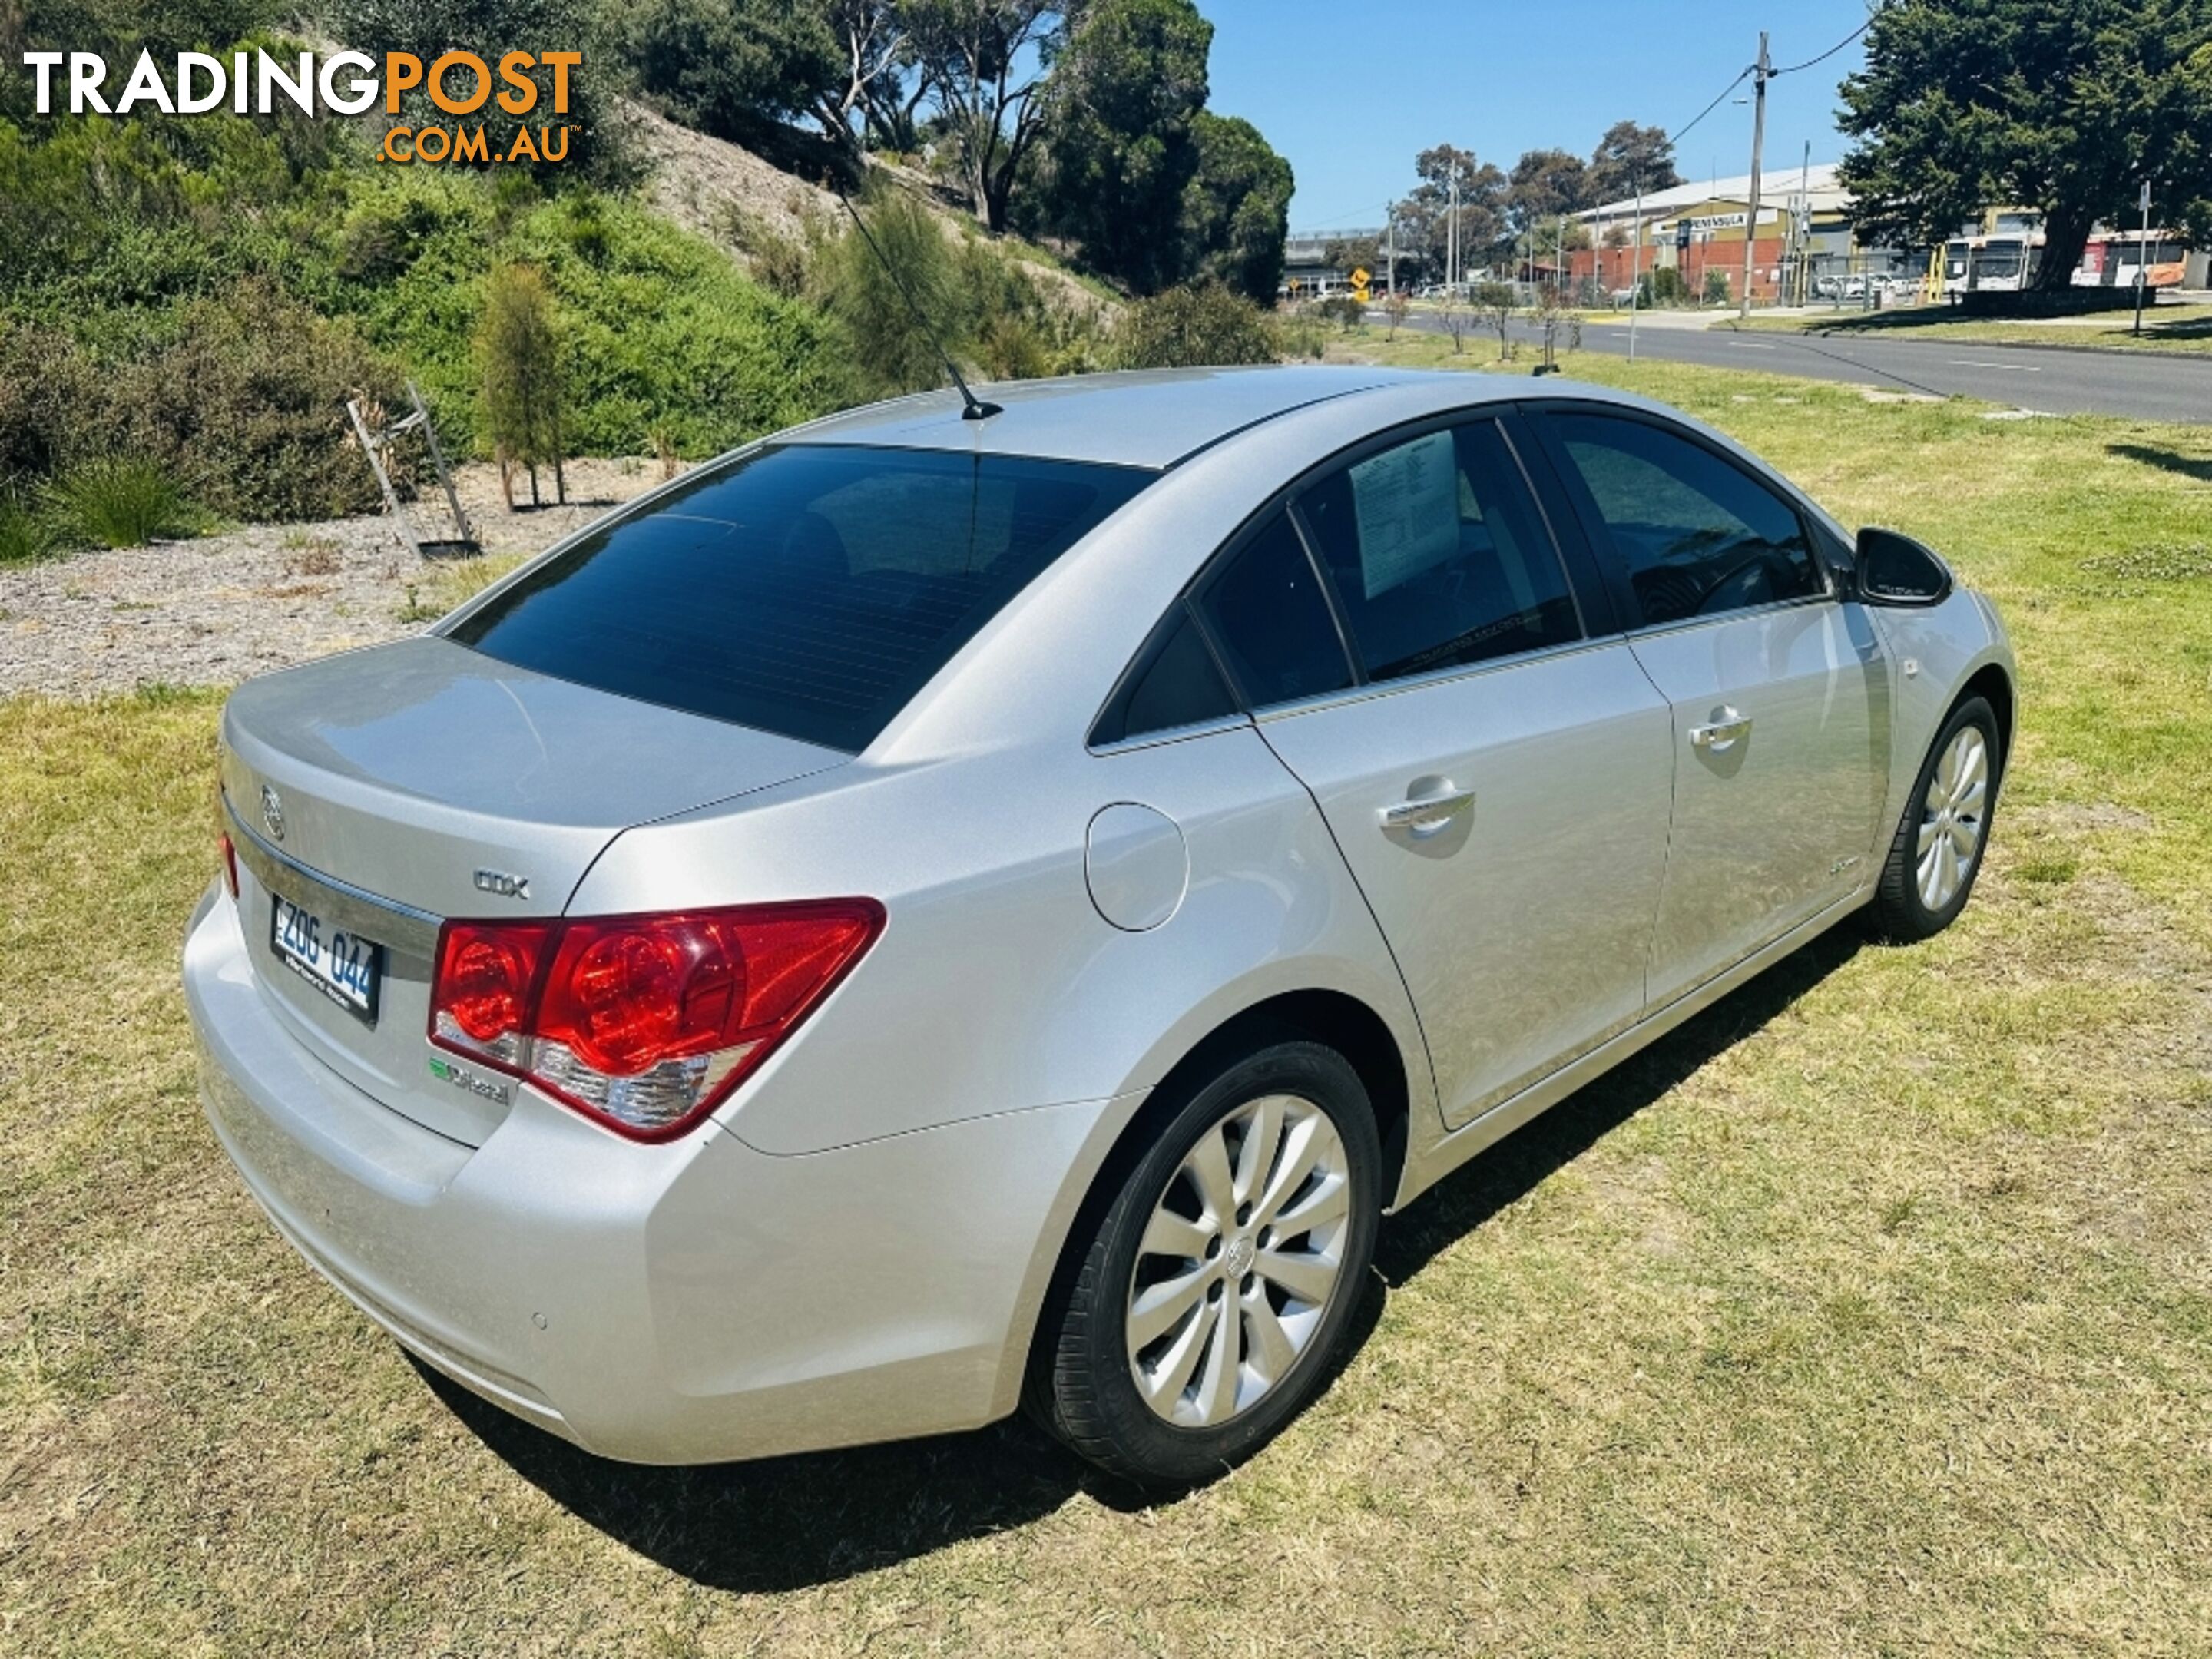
214, 610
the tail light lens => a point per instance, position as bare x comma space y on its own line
645, 1024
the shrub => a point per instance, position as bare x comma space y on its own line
1199, 325
1717, 287
26, 537
116, 501
779, 262
238, 398
1013, 348
663, 329
891, 351
247, 408
1346, 312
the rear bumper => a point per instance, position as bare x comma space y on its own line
690, 1302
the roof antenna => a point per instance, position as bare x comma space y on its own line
977, 409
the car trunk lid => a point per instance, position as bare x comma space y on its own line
382, 791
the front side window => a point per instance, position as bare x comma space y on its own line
1438, 554
1267, 611
808, 590
1696, 534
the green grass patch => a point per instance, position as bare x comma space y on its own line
1868, 1313
2183, 329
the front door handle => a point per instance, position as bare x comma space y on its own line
1722, 734
1429, 814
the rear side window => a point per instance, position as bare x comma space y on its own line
1176, 682
1438, 554
1266, 611
809, 590
1697, 534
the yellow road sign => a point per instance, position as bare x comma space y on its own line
1359, 278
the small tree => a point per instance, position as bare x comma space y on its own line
1717, 287
1495, 301
1395, 306
1455, 317
893, 352
1200, 326
1553, 319
519, 356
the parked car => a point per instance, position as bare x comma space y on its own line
923, 914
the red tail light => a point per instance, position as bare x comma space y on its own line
230, 865
643, 1023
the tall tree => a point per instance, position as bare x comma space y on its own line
985, 62
875, 88
730, 67
1237, 207
1629, 158
1423, 218
1116, 151
2066, 106
1544, 185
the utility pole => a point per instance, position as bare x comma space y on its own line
1390, 254
1763, 68
2142, 258
1635, 268
1804, 227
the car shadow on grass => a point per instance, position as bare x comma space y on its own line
790, 1523
1471, 1195
2165, 460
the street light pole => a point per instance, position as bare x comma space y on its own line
2142, 258
1758, 140
1452, 237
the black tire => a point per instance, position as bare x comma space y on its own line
1084, 1390
1898, 914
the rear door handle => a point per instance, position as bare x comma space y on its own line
1427, 815
1722, 734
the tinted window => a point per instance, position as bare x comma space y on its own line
1176, 682
1438, 554
1267, 611
809, 590
1697, 535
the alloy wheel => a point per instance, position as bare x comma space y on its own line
1240, 1261
1952, 816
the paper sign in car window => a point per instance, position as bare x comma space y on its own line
1407, 500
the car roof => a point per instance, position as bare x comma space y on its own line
1146, 417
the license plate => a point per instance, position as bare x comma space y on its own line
344, 967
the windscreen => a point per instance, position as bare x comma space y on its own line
809, 590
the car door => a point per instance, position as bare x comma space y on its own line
1779, 695
1493, 764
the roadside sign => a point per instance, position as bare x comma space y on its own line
1359, 277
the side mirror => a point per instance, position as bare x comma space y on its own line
1895, 570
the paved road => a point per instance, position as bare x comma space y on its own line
2145, 385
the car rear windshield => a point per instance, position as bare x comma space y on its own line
808, 590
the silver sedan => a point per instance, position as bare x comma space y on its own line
924, 913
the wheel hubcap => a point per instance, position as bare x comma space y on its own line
1240, 1262
1952, 816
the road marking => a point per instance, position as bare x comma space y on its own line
1750, 345
1979, 362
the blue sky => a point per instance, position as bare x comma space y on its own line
1349, 92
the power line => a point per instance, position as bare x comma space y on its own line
1677, 135
1825, 56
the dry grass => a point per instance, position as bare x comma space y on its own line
1870, 1313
